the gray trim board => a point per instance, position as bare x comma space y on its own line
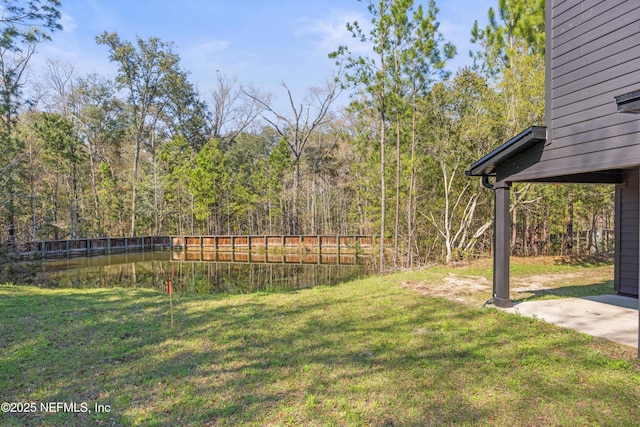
593, 162
629, 102
510, 149
604, 177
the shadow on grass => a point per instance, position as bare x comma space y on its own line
595, 260
346, 356
602, 288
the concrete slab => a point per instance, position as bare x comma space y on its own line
612, 317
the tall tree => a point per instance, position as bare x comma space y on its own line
371, 79
23, 25
207, 181
144, 73
184, 113
517, 25
409, 53
100, 122
65, 151
419, 56
26, 22
13, 66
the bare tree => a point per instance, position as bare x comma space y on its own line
233, 107
59, 79
297, 128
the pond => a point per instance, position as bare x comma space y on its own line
201, 272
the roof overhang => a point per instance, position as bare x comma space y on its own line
487, 165
629, 102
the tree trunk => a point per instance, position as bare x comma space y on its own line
12, 222
314, 223
396, 225
134, 184
56, 204
96, 200
383, 191
32, 196
76, 203
155, 186
412, 191
569, 225
294, 223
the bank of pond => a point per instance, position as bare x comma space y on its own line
200, 272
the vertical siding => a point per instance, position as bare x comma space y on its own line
628, 235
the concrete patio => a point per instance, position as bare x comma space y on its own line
612, 317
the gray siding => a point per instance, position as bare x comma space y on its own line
628, 235
593, 55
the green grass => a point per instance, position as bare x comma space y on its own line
367, 352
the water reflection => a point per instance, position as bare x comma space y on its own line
205, 272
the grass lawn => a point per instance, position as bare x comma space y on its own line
380, 351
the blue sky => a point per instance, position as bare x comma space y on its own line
261, 42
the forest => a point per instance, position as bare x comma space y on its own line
144, 153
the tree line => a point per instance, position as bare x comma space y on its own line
143, 152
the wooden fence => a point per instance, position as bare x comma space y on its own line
254, 257
107, 245
321, 243
88, 247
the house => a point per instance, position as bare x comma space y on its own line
592, 132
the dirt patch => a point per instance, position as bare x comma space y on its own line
474, 290
539, 282
454, 287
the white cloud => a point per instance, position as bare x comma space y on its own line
205, 51
68, 23
329, 32
209, 46
206, 54
204, 59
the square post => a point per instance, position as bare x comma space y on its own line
502, 250
618, 215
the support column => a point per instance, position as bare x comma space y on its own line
502, 250
636, 179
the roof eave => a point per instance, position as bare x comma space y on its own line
487, 165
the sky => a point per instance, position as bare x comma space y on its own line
260, 42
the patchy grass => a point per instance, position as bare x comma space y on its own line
367, 352
531, 279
